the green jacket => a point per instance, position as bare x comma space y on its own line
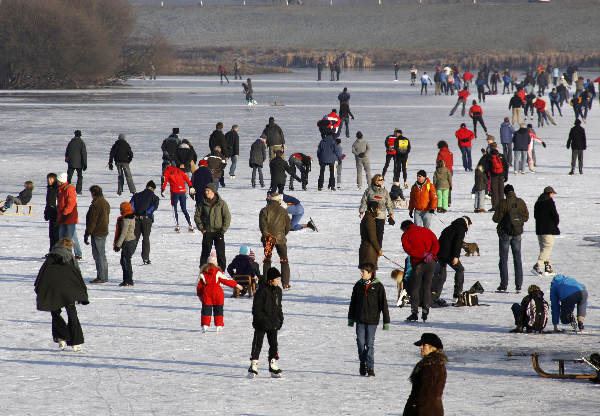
213, 215
503, 208
274, 219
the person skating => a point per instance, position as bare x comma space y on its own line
462, 99
531, 160
422, 246
516, 104
367, 304
51, 210
210, 293
361, 150
402, 147
546, 228
345, 115
442, 181
187, 156
144, 205
370, 248
506, 80
177, 179
258, 155
274, 224
59, 285
68, 217
465, 137
428, 379
423, 200
275, 137
565, 294
521, 140
278, 167
169, 148
476, 114
511, 216
303, 163
413, 75
506, 138
236, 70
125, 241
390, 150
76, 158
481, 83
121, 154
577, 143
22, 198
248, 91
540, 106
376, 192
396, 69
494, 81
267, 318
213, 219
96, 226
215, 162
223, 74
425, 79
496, 168
233, 148
529, 98
344, 96
328, 153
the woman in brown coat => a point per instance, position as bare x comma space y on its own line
428, 379
370, 249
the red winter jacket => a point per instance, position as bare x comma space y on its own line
209, 285
463, 94
417, 241
521, 95
446, 155
335, 120
67, 205
389, 144
464, 136
540, 105
177, 179
475, 110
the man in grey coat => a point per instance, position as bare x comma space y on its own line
76, 158
360, 150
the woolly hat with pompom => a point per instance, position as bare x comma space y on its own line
212, 259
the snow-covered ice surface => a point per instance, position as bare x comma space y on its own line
144, 351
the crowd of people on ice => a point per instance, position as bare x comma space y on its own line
420, 281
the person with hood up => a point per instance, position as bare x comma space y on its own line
59, 285
376, 192
274, 136
121, 154
361, 150
213, 218
423, 200
76, 158
577, 143
177, 179
125, 241
565, 294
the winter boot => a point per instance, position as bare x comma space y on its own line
177, 228
370, 372
62, 344
291, 188
424, 315
77, 348
274, 368
413, 317
362, 369
536, 271
253, 369
548, 269
573, 322
311, 225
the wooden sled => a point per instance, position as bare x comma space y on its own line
561, 369
21, 210
246, 281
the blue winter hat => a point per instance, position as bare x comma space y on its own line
244, 250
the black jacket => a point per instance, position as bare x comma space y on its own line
233, 143
267, 313
216, 164
169, 148
120, 152
345, 110
344, 96
521, 139
273, 134
202, 177
546, 216
258, 153
76, 154
489, 163
217, 138
25, 196
451, 240
51, 210
144, 203
515, 102
185, 155
368, 302
278, 168
577, 139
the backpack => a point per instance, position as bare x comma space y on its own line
467, 299
513, 223
536, 314
497, 165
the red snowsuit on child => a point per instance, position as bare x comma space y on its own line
211, 294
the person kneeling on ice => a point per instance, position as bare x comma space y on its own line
210, 293
367, 303
267, 318
532, 314
565, 293
428, 379
296, 210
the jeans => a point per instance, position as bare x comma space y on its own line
480, 199
365, 341
507, 151
127, 250
422, 218
233, 160
257, 341
520, 159
567, 305
364, 163
260, 175
423, 87
143, 227
69, 231
79, 185
514, 242
420, 286
123, 170
181, 199
577, 155
99, 254
554, 103
466, 157
345, 121
70, 332
296, 211
338, 170
546, 242
216, 238
331, 184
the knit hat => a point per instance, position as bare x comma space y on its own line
203, 163
77, 133
422, 173
151, 184
508, 188
244, 250
273, 273
430, 339
62, 177
212, 259
175, 130
212, 187
126, 208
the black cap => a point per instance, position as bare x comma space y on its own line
273, 273
175, 130
77, 133
422, 173
431, 339
151, 184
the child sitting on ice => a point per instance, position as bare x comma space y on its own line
211, 294
22, 199
397, 196
242, 264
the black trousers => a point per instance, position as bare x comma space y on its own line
478, 119
400, 166
277, 187
127, 250
79, 185
331, 184
52, 233
388, 157
420, 285
70, 332
379, 226
257, 341
438, 281
143, 227
216, 238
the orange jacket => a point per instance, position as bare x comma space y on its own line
539, 104
475, 110
422, 197
464, 136
67, 205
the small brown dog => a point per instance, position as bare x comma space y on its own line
398, 276
470, 249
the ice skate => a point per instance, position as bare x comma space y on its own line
177, 228
548, 272
191, 229
219, 328
370, 372
362, 370
77, 348
253, 369
274, 368
62, 344
204, 329
310, 224
413, 317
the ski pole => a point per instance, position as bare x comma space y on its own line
392, 261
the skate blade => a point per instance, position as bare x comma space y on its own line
251, 376
275, 375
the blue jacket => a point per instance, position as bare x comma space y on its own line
521, 139
201, 177
288, 199
407, 269
506, 79
506, 133
554, 97
144, 203
561, 288
328, 151
241, 264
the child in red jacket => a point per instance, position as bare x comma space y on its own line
211, 294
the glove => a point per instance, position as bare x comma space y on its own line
432, 211
428, 258
410, 214
567, 146
352, 117
110, 166
350, 322
162, 194
544, 144
192, 191
86, 239
386, 327
391, 221
116, 249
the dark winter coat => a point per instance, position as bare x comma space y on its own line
489, 161
577, 139
546, 216
216, 164
96, 219
144, 203
521, 139
258, 153
522, 319
515, 102
51, 210
217, 138
274, 135
369, 244
201, 177
344, 96
120, 152
328, 151
274, 219
345, 112
213, 215
278, 167
185, 155
481, 180
502, 210
241, 264
267, 313
59, 282
233, 143
368, 302
76, 154
428, 381
169, 148
451, 240
25, 196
